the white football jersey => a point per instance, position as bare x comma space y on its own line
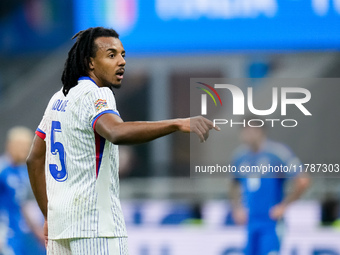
81, 167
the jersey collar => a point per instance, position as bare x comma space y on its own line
86, 78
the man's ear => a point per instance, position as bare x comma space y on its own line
91, 64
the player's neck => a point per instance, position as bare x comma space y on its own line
95, 79
255, 148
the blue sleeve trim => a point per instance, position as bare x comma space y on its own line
38, 129
100, 114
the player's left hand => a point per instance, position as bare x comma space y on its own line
277, 212
198, 125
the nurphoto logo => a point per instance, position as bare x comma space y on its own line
295, 96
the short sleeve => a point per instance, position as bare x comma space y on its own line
42, 128
99, 102
293, 162
287, 158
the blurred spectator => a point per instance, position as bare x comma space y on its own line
260, 202
329, 210
16, 218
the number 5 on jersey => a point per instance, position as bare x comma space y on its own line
59, 175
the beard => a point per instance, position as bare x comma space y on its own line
114, 86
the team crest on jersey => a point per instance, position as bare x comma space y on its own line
100, 104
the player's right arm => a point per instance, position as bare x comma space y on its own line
36, 171
112, 128
300, 185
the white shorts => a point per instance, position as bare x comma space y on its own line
88, 246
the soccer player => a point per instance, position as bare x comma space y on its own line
73, 163
16, 222
260, 202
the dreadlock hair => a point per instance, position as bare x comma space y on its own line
77, 62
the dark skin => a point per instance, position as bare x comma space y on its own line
107, 68
36, 171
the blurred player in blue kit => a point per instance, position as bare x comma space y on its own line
260, 202
16, 218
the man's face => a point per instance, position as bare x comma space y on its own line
18, 149
108, 66
252, 136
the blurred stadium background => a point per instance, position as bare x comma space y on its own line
167, 43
